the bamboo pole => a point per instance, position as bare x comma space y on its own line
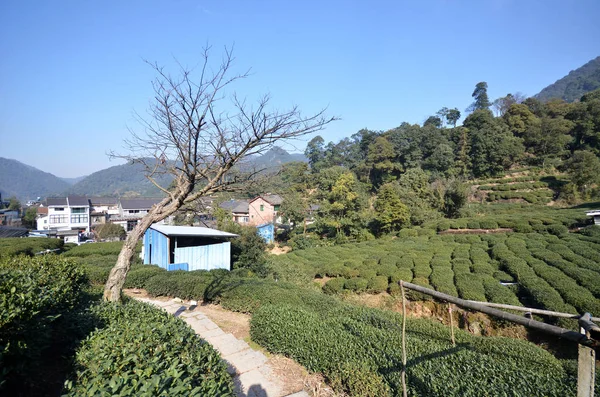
550, 329
451, 324
532, 310
404, 391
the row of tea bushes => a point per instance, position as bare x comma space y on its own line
553, 271
36, 294
10, 247
359, 349
84, 250
535, 197
140, 350
504, 187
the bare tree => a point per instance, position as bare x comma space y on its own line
195, 134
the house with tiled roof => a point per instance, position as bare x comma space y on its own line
264, 209
238, 210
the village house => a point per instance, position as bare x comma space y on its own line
66, 213
238, 210
131, 210
264, 209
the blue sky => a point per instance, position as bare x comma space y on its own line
72, 72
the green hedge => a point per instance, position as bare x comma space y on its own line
27, 246
83, 250
34, 294
144, 351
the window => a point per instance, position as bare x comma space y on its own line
131, 225
79, 210
262, 207
83, 218
134, 211
277, 207
59, 209
244, 219
59, 219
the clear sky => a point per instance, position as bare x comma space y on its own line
72, 72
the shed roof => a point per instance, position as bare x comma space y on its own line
8, 231
593, 213
78, 201
190, 231
144, 203
53, 201
103, 200
273, 199
235, 206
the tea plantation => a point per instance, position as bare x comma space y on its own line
559, 273
133, 349
56, 334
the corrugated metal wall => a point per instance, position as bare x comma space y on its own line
156, 248
206, 257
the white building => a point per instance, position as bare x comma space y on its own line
596, 215
66, 213
132, 210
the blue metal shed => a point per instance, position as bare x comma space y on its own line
267, 232
187, 248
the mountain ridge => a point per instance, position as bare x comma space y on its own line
27, 182
577, 82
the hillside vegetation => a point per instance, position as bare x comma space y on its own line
578, 82
26, 182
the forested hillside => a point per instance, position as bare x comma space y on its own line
578, 82
376, 182
26, 182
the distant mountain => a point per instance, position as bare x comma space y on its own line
571, 87
72, 181
274, 158
120, 180
26, 182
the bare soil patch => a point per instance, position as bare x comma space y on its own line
279, 250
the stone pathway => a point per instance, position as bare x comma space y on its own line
252, 376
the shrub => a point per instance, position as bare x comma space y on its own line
144, 351
404, 233
137, 276
377, 284
557, 230
334, 286
472, 224
35, 293
357, 284
488, 224
112, 248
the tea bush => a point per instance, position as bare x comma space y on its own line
83, 250
10, 247
35, 293
144, 351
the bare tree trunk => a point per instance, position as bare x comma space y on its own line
116, 278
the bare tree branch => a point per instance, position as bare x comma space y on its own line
197, 136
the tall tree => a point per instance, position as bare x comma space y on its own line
190, 137
452, 116
480, 95
493, 147
390, 213
315, 152
583, 169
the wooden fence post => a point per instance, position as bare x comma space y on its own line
586, 362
